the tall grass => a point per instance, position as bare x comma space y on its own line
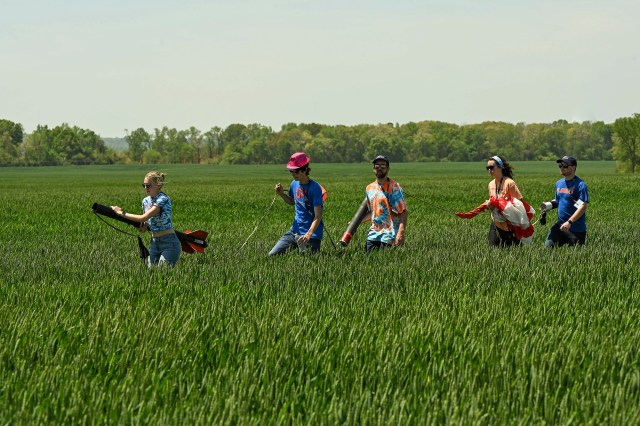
442, 330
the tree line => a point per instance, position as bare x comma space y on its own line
257, 144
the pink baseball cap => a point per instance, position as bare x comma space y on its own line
297, 160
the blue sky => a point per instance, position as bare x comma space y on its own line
115, 65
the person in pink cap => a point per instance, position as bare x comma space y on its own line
308, 198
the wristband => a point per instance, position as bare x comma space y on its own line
570, 222
123, 214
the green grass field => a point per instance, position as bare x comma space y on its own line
443, 330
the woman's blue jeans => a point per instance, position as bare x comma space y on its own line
165, 249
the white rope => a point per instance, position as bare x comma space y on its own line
259, 222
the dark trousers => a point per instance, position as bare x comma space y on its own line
499, 237
559, 238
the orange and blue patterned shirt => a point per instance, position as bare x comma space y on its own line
386, 202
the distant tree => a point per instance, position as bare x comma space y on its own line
235, 134
312, 128
235, 138
152, 156
174, 152
279, 147
602, 134
10, 138
65, 145
474, 140
555, 140
138, 141
36, 148
195, 140
443, 135
8, 151
321, 150
231, 155
534, 145
257, 152
423, 145
15, 131
350, 145
382, 139
76, 145
590, 141
294, 139
626, 141
159, 140
258, 144
502, 138
213, 142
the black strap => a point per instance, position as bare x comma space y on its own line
144, 253
117, 229
498, 188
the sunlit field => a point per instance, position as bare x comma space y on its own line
443, 330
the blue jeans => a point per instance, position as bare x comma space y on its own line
288, 242
165, 249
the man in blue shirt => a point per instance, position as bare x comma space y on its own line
572, 197
308, 198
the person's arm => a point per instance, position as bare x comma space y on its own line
514, 191
153, 211
575, 216
286, 197
317, 210
401, 227
366, 218
546, 206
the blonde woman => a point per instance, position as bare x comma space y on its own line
156, 218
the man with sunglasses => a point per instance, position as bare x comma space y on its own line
387, 207
308, 197
572, 197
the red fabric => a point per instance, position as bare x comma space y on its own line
472, 213
510, 209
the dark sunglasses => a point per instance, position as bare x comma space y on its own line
298, 170
491, 167
380, 166
147, 185
564, 166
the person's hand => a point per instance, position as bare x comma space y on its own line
565, 226
279, 189
400, 239
117, 209
304, 239
545, 206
